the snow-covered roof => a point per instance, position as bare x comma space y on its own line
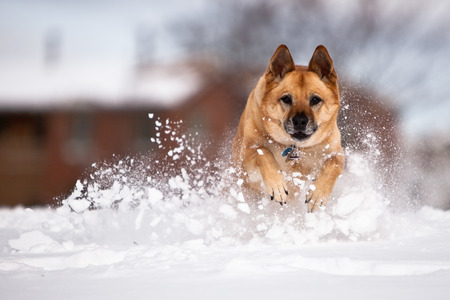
168, 87
33, 86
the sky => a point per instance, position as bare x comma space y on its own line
94, 29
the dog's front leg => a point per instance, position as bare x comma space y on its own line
262, 160
319, 193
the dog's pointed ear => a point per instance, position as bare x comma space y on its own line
280, 64
322, 64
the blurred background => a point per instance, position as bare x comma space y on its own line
79, 77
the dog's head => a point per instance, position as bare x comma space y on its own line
299, 104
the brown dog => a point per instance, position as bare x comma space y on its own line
289, 126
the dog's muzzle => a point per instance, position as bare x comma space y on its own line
300, 127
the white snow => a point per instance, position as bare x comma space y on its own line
228, 211
78, 205
29, 240
166, 236
243, 207
112, 83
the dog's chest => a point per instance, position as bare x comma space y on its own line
301, 161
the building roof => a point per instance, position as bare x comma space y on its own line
112, 84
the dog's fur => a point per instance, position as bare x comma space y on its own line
292, 106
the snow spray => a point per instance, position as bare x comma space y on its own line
183, 196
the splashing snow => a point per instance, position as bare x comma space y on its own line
185, 196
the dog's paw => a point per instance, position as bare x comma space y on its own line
315, 198
276, 187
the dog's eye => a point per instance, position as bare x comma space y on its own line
286, 99
315, 100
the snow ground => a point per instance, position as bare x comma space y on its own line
413, 264
188, 233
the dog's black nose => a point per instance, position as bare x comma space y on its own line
300, 121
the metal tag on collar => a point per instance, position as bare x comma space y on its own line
290, 152
286, 152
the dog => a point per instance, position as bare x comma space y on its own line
289, 128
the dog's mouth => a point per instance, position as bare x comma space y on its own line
303, 135
300, 136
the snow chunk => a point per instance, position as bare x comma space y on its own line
154, 195
79, 205
228, 211
194, 226
32, 241
275, 232
244, 207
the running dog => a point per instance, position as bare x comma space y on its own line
289, 127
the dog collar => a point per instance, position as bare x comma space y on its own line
290, 152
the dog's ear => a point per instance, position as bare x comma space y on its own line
280, 64
322, 65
